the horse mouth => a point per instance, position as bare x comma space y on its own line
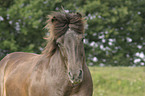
75, 83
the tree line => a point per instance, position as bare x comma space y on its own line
114, 33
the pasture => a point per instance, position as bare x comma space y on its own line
118, 81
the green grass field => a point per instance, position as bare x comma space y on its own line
118, 81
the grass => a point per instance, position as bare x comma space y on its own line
118, 81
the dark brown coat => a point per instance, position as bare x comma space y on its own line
50, 73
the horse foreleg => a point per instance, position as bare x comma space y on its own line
1, 83
0, 86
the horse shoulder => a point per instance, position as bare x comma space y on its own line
16, 69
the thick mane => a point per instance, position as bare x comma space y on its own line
58, 24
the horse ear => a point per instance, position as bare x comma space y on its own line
79, 14
53, 19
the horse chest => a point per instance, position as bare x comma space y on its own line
47, 85
50, 89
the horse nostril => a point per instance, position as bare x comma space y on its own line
71, 76
80, 73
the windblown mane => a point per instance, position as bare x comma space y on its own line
58, 24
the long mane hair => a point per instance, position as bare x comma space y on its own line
58, 24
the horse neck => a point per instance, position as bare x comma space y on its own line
56, 64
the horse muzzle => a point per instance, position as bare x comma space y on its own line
76, 78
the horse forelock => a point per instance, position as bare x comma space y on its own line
58, 24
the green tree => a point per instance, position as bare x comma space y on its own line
114, 30
21, 25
